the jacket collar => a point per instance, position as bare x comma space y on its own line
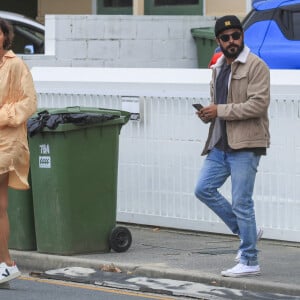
9, 53
241, 58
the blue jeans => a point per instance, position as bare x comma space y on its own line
238, 215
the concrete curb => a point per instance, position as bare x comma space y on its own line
34, 261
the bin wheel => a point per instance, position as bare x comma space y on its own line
120, 239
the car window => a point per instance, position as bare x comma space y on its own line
257, 16
288, 20
27, 39
296, 25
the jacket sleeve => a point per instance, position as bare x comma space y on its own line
257, 96
18, 110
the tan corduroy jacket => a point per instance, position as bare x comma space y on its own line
246, 111
17, 103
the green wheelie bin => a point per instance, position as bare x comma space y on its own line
206, 44
21, 219
74, 167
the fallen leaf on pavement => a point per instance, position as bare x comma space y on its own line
110, 268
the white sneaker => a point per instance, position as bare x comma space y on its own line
241, 270
259, 234
8, 272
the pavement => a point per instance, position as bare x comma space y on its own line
187, 256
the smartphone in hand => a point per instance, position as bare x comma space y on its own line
198, 106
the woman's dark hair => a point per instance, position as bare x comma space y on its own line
8, 32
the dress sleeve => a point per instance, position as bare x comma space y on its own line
24, 102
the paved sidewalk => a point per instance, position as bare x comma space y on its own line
188, 256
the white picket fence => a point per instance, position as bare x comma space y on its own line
159, 153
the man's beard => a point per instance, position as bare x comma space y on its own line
233, 50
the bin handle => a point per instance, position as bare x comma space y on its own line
77, 109
74, 109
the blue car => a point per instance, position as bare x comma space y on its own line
272, 31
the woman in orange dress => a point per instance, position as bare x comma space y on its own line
17, 104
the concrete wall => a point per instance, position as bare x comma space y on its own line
120, 41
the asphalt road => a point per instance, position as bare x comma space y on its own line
29, 288
37, 288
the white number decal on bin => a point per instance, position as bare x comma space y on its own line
45, 149
45, 162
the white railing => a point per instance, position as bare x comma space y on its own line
159, 153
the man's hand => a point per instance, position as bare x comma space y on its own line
208, 113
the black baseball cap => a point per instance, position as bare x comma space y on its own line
227, 22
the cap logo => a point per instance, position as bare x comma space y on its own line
227, 23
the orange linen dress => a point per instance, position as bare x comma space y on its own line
17, 103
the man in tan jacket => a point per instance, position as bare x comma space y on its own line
238, 137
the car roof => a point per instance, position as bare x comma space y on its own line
14, 17
269, 4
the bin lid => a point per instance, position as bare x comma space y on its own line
205, 32
74, 118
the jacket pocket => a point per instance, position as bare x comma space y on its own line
250, 130
238, 88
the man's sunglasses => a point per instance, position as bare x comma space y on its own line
226, 37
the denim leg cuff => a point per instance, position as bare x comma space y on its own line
247, 262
